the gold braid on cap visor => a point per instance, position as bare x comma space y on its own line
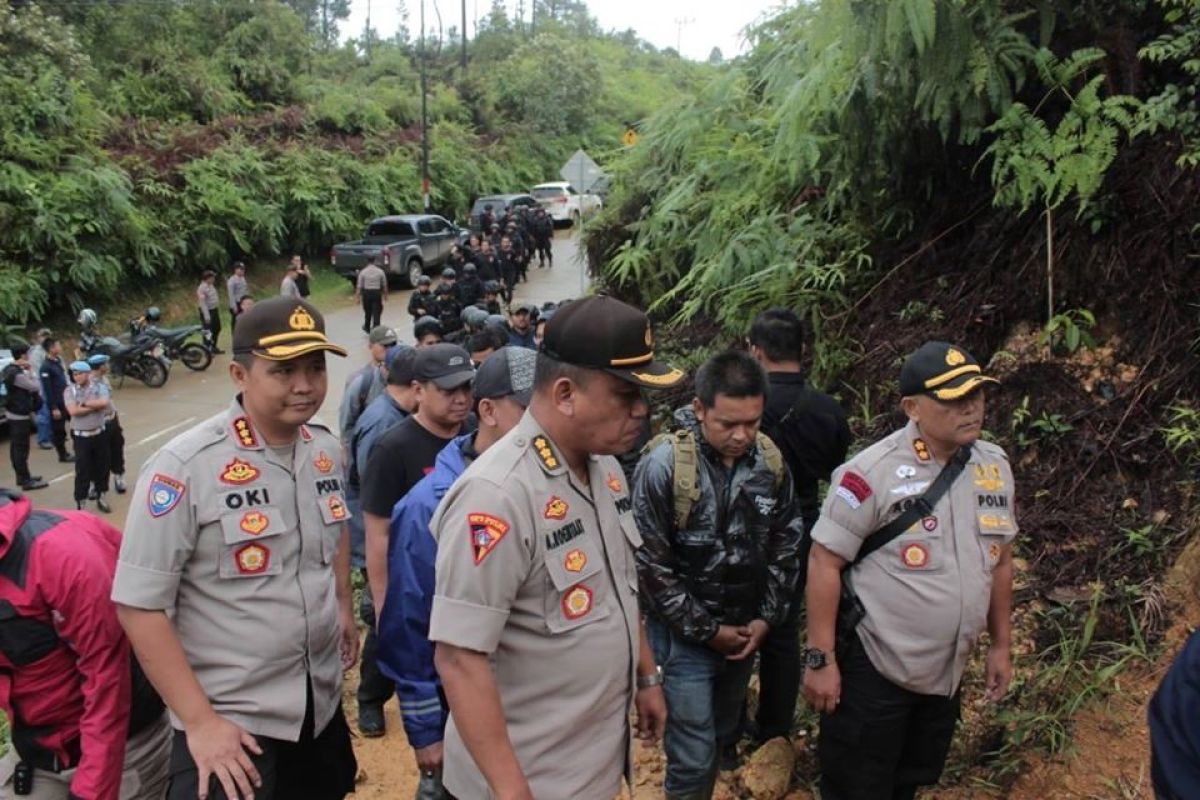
271, 347
961, 391
950, 375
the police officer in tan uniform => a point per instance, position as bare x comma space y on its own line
890, 699
233, 579
540, 645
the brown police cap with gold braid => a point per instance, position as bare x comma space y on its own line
280, 329
940, 370
604, 333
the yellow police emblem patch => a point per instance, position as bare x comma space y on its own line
577, 602
254, 522
238, 472
614, 483
914, 556
545, 452
252, 559
556, 508
337, 508
575, 561
955, 358
301, 320
323, 463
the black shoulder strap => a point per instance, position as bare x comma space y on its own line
923, 506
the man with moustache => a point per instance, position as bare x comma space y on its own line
539, 642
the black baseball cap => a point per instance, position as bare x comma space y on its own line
508, 372
401, 361
445, 364
940, 370
604, 333
281, 329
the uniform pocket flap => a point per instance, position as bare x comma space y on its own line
573, 562
629, 526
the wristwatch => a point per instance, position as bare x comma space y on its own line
653, 679
814, 658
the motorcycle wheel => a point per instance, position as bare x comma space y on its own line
151, 371
195, 356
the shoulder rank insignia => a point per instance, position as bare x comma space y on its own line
164, 494
922, 450
323, 463
486, 532
238, 472
245, 433
546, 452
556, 508
305, 433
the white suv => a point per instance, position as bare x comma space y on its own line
564, 203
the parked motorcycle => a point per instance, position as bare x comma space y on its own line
142, 359
176, 341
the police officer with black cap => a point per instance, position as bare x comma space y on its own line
540, 645
233, 582
920, 527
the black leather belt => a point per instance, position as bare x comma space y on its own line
45, 759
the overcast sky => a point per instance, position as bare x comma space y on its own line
698, 25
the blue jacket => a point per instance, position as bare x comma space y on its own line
54, 383
525, 339
1174, 717
405, 653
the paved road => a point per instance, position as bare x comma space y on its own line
152, 416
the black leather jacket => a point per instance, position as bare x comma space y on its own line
736, 559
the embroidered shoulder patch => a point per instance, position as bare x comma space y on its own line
164, 494
486, 532
853, 489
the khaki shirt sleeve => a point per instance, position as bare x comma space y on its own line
160, 535
850, 514
484, 556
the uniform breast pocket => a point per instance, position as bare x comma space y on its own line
576, 591
918, 549
253, 543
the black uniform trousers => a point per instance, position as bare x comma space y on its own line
116, 446
780, 667
213, 325
544, 253
883, 741
317, 767
58, 432
372, 304
91, 463
19, 431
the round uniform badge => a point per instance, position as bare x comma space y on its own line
914, 556
254, 522
577, 602
929, 523
252, 559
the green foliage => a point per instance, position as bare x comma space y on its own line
1182, 432
152, 140
1065, 333
1177, 107
1028, 430
1034, 165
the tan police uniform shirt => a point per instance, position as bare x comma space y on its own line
538, 572
236, 542
927, 592
371, 278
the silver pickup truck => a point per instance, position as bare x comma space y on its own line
409, 245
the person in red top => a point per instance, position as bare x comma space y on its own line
65, 665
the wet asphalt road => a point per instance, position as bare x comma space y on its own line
151, 417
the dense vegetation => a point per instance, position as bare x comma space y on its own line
145, 140
1018, 177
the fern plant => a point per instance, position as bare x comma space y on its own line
1033, 164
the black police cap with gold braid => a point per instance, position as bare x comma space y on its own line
280, 329
943, 371
604, 333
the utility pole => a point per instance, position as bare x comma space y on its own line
424, 116
464, 35
680, 24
